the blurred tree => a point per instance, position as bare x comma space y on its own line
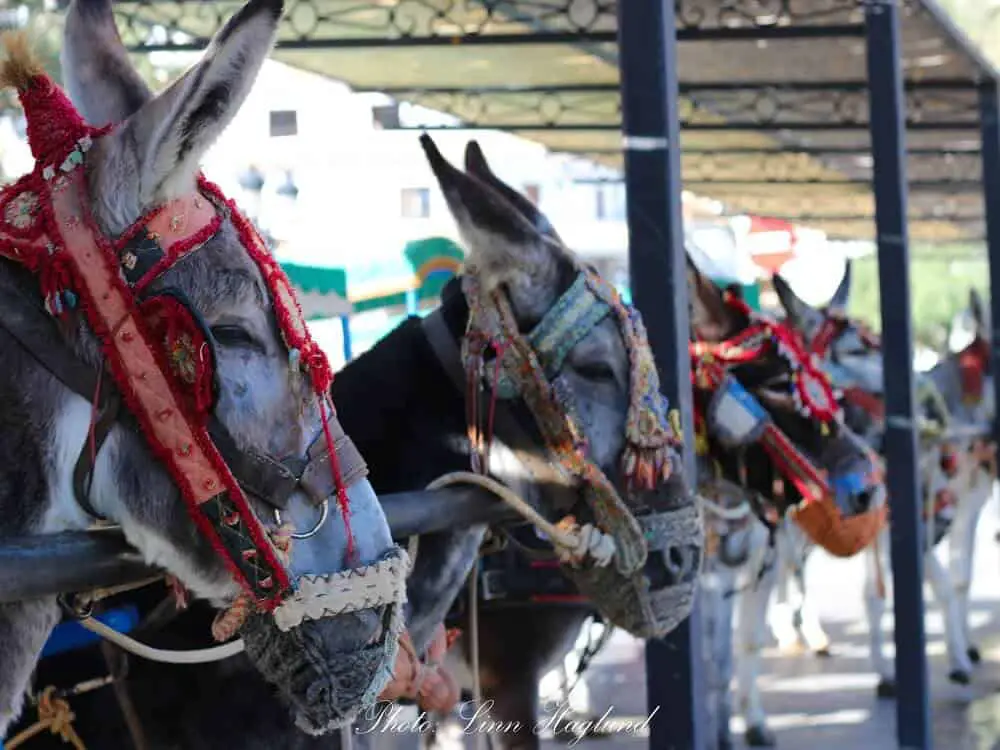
940, 279
980, 19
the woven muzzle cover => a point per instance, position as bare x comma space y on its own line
529, 366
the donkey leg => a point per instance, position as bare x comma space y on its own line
961, 553
958, 651
806, 618
717, 623
781, 612
24, 628
874, 609
724, 655
750, 637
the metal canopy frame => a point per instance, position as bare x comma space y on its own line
755, 75
869, 118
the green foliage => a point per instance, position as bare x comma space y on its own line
939, 288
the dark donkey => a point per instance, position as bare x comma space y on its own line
820, 475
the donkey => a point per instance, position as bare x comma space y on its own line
853, 358
748, 575
325, 668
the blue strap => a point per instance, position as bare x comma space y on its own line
570, 320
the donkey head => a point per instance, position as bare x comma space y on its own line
770, 376
332, 660
853, 356
972, 325
515, 255
848, 351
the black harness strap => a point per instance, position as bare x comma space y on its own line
27, 323
514, 436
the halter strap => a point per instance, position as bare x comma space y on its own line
568, 322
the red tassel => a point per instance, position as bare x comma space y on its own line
343, 502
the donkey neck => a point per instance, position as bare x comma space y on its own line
402, 410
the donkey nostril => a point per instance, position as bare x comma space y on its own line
863, 500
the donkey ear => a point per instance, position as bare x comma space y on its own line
478, 167
843, 293
170, 133
711, 318
98, 74
800, 313
977, 308
500, 240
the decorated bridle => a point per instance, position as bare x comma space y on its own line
159, 353
973, 364
499, 361
527, 366
735, 415
736, 419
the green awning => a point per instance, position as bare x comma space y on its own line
322, 292
432, 262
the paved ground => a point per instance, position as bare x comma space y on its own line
827, 704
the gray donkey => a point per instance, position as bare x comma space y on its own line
327, 667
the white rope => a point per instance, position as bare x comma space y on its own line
571, 544
738, 513
164, 656
477, 687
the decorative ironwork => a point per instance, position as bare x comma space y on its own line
791, 106
701, 108
766, 14
852, 203
154, 24
523, 108
923, 167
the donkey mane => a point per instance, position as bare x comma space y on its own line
417, 404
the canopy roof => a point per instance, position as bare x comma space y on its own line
774, 104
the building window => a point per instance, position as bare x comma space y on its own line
415, 203
533, 193
610, 204
385, 117
284, 122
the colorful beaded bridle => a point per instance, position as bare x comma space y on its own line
526, 366
814, 396
158, 351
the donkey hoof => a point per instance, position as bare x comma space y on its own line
886, 688
823, 653
760, 736
974, 656
959, 676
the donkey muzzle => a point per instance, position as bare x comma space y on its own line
330, 647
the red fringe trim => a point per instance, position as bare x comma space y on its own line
164, 454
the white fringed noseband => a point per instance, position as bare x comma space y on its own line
318, 597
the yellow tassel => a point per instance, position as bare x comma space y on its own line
21, 65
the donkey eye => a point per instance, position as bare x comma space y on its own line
596, 371
231, 335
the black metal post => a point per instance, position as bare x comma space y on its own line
647, 42
989, 112
888, 133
